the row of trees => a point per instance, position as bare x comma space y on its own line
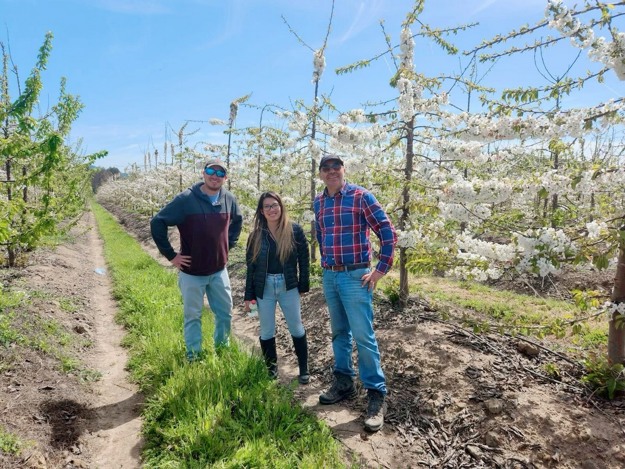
43, 180
516, 182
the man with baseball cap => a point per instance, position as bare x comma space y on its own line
344, 216
209, 221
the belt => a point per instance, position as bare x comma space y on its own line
345, 268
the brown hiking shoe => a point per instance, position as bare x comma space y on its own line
376, 409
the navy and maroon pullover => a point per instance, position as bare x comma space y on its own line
207, 231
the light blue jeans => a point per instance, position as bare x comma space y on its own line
216, 287
351, 316
275, 292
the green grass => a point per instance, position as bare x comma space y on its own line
8, 334
10, 443
222, 411
497, 304
68, 305
10, 301
89, 375
485, 308
593, 338
40, 294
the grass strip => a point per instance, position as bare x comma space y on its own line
222, 411
524, 314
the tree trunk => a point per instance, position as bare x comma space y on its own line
404, 289
554, 197
11, 254
616, 334
313, 178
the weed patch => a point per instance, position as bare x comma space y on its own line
10, 443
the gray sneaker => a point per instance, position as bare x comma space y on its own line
376, 409
342, 388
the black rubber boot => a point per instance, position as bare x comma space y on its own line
342, 388
270, 355
301, 350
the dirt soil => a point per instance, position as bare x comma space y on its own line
456, 399
86, 418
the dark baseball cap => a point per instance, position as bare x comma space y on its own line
329, 157
215, 162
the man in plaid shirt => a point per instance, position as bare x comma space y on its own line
344, 216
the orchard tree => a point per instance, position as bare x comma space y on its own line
102, 176
397, 138
45, 181
231, 130
304, 118
595, 216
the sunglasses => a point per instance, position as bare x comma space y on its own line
218, 172
327, 167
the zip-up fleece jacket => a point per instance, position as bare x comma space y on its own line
207, 231
257, 270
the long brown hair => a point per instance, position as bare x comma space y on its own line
284, 234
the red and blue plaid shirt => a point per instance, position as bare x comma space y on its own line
343, 223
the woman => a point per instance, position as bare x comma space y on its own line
278, 272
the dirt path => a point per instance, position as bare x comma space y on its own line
67, 419
115, 440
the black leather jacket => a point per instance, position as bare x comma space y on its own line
299, 260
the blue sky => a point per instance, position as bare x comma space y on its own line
144, 67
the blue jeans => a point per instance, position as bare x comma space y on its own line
216, 287
351, 316
275, 292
